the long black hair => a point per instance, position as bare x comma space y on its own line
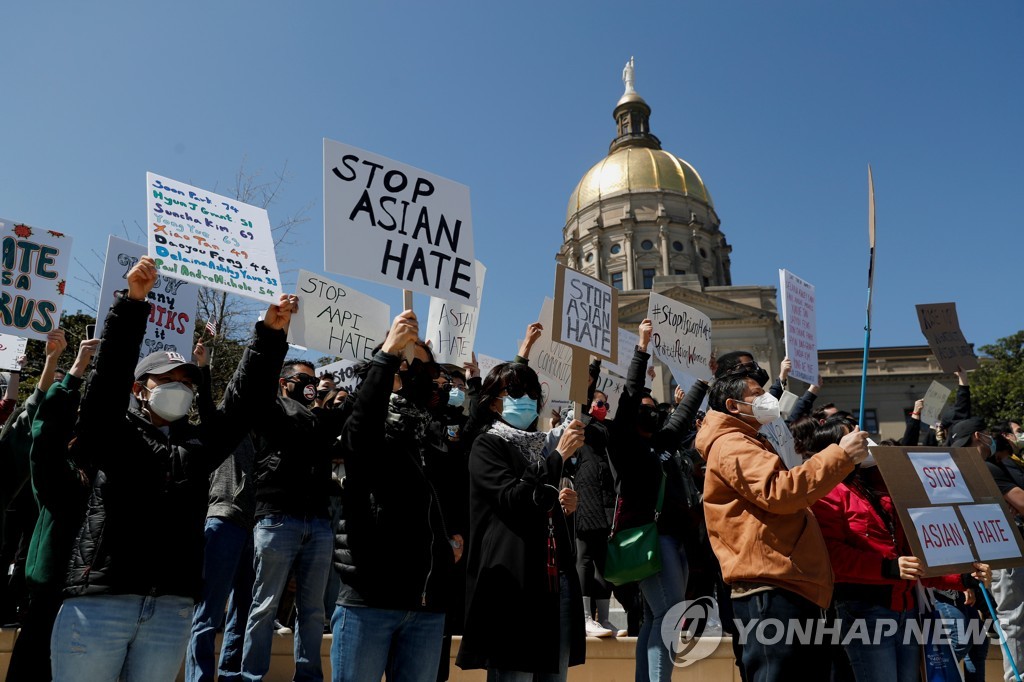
515, 378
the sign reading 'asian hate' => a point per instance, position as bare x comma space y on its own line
451, 325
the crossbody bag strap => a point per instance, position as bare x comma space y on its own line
661, 497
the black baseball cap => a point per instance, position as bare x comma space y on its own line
963, 431
164, 361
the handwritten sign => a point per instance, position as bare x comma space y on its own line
941, 326
993, 535
451, 325
787, 402
486, 363
553, 363
33, 275
777, 432
387, 222
211, 240
586, 313
934, 400
682, 336
942, 537
335, 318
344, 371
950, 507
941, 477
800, 327
612, 385
173, 302
11, 348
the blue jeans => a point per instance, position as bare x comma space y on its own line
227, 572
767, 654
972, 653
892, 657
140, 639
370, 642
661, 591
284, 544
565, 633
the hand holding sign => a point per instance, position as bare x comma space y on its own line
855, 444
405, 329
56, 342
645, 330
141, 279
533, 334
279, 315
571, 440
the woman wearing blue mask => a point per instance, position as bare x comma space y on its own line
521, 567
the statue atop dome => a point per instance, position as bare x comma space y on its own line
629, 77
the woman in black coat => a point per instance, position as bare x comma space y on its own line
521, 555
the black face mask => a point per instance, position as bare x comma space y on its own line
301, 388
649, 419
439, 397
419, 383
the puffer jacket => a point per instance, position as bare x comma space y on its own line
863, 549
758, 512
392, 546
143, 528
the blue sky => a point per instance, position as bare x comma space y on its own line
780, 106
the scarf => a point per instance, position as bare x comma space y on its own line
529, 444
405, 420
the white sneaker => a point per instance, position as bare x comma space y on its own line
608, 625
281, 629
595, 629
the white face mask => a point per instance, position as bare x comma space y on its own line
766, 408
170, 401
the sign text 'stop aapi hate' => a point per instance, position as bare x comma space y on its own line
33, 274
212, 240
391, 223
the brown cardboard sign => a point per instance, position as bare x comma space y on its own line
586, 318
951, 510
941, 326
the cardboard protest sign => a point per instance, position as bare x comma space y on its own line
800, 328
33, 274
345, 371
391, 223
11, 348
336, 319
934, 400
211, 240
941, 326
586, 318
173, 302
950, 508
451, 325
682, 336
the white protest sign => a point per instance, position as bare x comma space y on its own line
11, 348
682, 336
33, 274
787, 402
800, 327
941, 477
612, 385
942, 537
778, 434
552, 361
934, 400
334, 318
345, 371
486, 363
628, 341
173, 302
993, 536
211, 240
451, 325
387, 222
586, 313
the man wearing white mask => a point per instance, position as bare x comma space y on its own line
770, 548
136, 564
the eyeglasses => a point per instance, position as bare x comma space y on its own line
431, 369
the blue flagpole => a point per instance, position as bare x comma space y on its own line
871, 281
999, 630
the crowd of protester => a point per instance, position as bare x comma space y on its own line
142, 519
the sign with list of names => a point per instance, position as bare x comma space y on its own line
800, 327
211, 240
391, 223
11, 348
33, 275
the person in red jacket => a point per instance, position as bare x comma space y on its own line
875, 574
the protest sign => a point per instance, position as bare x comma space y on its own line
586, 313
941, 326
451, 325
11, 348
800, 328
628, 341
682, 336
173, 302
345, 371
486, 363
612, 385
390, 223
950, 508
211, 240
778, 434
336, 319
552, 361
787, 402
934, 400
34, 273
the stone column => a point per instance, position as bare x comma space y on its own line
663, 234
627, 245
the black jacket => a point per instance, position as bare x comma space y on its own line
143, 528
391, 544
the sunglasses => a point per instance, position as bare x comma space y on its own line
600, 403
302, 379
516, 391
431, 369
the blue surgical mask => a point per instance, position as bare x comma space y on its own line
519, 412
456, 397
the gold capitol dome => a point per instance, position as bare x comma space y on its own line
636, 162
